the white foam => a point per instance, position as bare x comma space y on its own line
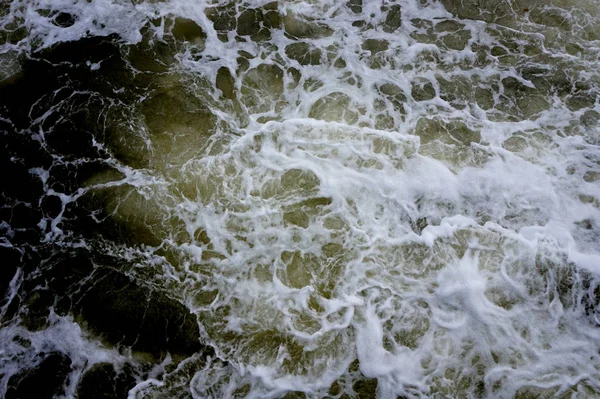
445, 268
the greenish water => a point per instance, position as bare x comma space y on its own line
324, 199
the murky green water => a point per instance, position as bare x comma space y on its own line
341, 199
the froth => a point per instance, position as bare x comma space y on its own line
396, 198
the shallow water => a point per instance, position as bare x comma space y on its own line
300, 199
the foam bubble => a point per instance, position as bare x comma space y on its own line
394, 199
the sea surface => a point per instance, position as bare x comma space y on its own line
300, 199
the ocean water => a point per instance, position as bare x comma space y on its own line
300, 199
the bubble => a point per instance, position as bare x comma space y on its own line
300, 199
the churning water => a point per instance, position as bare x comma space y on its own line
300, 199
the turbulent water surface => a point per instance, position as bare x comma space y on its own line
300, 199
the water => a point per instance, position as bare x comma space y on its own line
300, 199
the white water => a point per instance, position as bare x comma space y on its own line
447, 240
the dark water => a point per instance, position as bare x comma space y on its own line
342, 199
